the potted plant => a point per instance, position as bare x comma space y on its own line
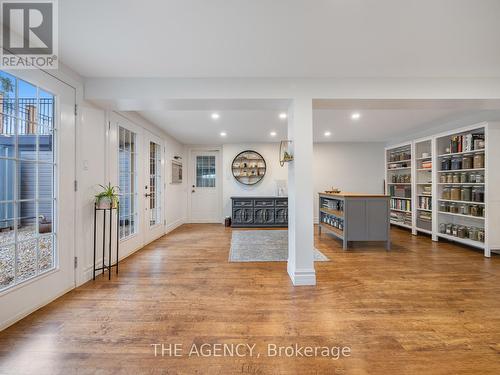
108, 197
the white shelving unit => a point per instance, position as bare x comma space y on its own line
437, 179
398, 177
454, 219
422, 189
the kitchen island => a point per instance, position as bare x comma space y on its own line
355, 217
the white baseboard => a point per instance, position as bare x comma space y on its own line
88, 271
302, 277
7, 323
174, 225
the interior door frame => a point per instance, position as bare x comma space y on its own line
191, 173
26, 297
152, 233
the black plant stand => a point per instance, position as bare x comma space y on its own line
109, 266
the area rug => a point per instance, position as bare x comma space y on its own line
263, 246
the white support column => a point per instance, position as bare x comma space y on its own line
300, 194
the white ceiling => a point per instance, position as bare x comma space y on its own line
241, 126
381, 120
281, 38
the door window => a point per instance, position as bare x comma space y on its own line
27, 169
205, 171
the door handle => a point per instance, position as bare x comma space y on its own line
148, 195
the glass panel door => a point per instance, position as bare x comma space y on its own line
37, 196
27, 199
154, 186
128, 182
154, 183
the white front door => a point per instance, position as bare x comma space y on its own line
154, 224
37, 197
204, 184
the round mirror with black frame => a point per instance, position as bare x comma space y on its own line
248, 167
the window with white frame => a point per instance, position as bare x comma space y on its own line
127, 182
27, 169
205, 171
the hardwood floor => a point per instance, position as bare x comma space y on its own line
423, 308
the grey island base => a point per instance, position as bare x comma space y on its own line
355, 217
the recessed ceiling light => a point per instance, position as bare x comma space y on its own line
283, 115
356, 116
327, 134
272, 134
215, 116
223, 134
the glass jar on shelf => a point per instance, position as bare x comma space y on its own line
446, 163
449, 229
478, 161
456, 163
454, 208
477, 195
473, 233
481, 235
442, 178
449, 178
461, 231
442, 228
446, 194
456, 178
464, 209
455, 193
463, 178
479, 178
467, 162
444, 207
454, 230
465, 193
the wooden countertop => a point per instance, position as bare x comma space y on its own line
344, 194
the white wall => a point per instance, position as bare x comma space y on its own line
91, 171
176, 194
267, 186
354, 167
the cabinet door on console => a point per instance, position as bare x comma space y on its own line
243, 216
281, 215
264, 216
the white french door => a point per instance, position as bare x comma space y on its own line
154, 184
37, 198
204, 185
